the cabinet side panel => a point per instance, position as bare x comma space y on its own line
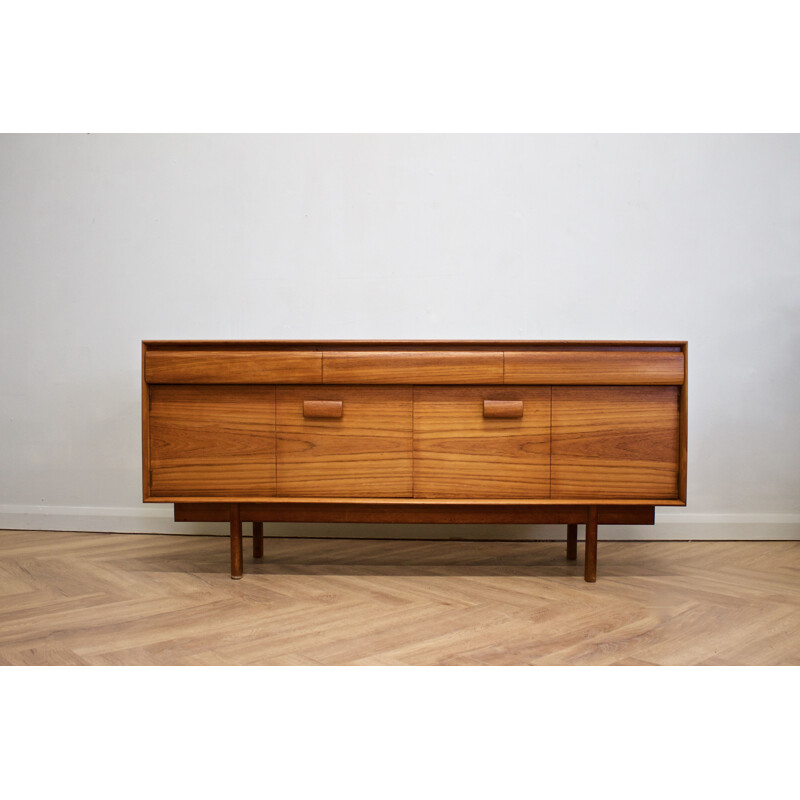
684, 427
145, 431
212, 441
615, 442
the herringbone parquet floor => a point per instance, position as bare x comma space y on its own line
89, 598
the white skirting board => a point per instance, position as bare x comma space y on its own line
671, 525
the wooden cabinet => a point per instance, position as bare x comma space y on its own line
524, 432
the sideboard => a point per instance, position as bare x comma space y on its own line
573, 433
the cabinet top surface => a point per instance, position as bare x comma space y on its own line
407, 343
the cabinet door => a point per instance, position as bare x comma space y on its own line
212, 441
344, 441
486, 441
615, 442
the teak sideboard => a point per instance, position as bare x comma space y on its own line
415, 431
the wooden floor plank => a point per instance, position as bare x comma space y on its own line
129, 599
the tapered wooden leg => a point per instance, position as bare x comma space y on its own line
236, 542
572, 542
258, 539
590, 551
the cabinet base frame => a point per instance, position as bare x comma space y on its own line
570, 515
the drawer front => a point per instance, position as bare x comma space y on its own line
410, 366
615, 442
594, 367
486, 441
212, 441
233, 366
344, 441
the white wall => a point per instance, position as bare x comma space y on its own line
106, 240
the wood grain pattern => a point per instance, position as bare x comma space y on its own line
210, 367
588, 367
365, 453
128, 599
391, 366
619, 442
214, 441
460, 453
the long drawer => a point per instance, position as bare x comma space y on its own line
410, 366
214, 367
619, 367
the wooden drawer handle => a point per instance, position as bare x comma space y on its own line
322, 408
502, 409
